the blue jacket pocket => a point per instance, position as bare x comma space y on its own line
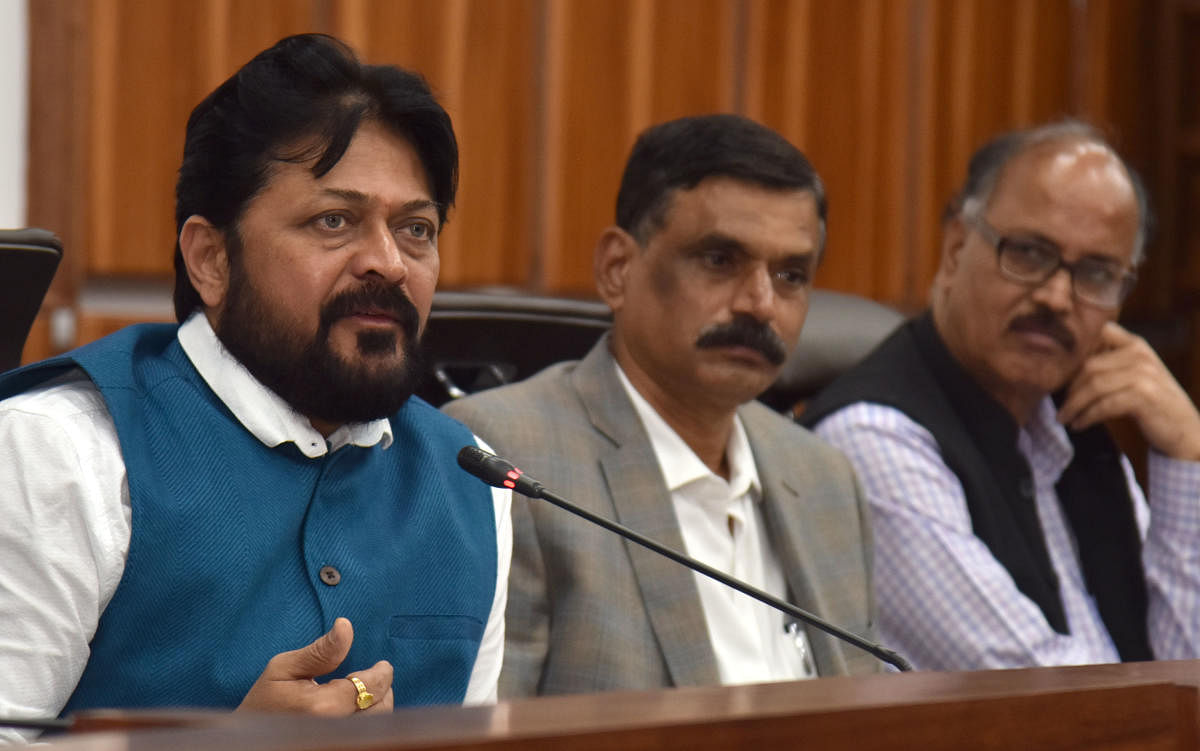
435, 627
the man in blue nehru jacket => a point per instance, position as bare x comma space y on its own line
248, 508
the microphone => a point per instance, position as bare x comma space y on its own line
500, 473
36, 723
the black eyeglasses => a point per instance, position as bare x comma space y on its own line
1100, 282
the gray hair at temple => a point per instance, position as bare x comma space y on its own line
988, 163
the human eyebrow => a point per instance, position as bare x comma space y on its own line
715, 241
1092, 256
1101, 259
807, 260
1030, 237
350, 196
418, 204
360, 198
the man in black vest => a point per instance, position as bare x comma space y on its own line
1009, 529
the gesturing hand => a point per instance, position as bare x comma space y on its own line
287, 684
1125, 378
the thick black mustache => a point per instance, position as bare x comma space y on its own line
374, 296
1043, 321
744, 331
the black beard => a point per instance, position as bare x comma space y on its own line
309, 375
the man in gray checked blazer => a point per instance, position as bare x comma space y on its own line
720, 225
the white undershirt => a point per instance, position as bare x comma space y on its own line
722, 525
64, 502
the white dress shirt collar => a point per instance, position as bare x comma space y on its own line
722, 525
263, 412
680, 465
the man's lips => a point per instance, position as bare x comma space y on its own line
375, 316
743, 352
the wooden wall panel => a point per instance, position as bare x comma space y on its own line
687, 59
57, 182
990, 67
847, 102
858, 140
888, 98
895, 253
588, 131
481, 59
777, 54
496, 115
59, 128
1043, 83
1120, 63
132, 147
612, 69
152, 63
928, 179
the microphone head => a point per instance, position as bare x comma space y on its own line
471, 459
497, 472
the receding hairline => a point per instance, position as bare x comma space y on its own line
1045, 143
1046, 149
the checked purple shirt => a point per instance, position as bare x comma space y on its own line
946, 604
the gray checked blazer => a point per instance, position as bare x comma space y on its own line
588, 611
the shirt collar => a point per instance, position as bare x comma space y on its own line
261, 411
1045, 442
679, 464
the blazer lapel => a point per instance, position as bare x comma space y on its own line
795, 542
642, 503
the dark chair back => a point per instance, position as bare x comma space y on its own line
28, 259
839, 331
480, 339
477, 340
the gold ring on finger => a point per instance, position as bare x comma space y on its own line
365, 698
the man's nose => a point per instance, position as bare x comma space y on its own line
378, 253
756, 295
1057, 292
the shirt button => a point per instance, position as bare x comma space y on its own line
330, 575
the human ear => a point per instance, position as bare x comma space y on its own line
206, 259
610, 264
954, 238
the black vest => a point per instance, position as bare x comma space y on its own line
913, 372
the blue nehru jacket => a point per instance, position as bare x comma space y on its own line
230, 538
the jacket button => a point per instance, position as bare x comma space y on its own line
1025, 487
330, 575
